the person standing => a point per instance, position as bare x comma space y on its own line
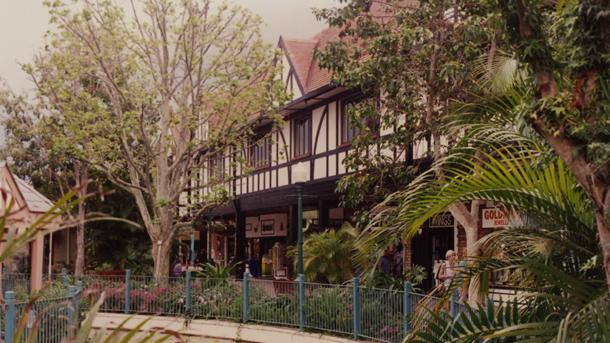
448, 269
177, 269
386, 263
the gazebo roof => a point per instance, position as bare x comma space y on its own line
35, 201
23, 193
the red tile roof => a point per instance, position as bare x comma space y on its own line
300, 52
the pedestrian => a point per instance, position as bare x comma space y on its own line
399, 262
447, 270
386, 263
177, 269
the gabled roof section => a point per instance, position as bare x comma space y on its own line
34, 200
300, 52
300, 56
20, 189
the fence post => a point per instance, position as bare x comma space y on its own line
127, 290
72, 312
301, 290
188, 301
356, 305
79, 297
454, 302
245, 306
64, 277
407, 306
9, 325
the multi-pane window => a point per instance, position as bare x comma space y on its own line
260, 153
216, 167
348, 129
302, 136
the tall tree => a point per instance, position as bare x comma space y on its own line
156, 93
565, 47
30, 149
417, 58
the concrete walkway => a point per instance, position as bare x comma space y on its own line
212, 331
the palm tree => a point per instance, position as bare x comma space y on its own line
554, 254
328, 255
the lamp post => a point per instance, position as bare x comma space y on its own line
193, 248
299, 172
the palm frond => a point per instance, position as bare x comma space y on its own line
510, 176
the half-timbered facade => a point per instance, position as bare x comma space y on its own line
260, 176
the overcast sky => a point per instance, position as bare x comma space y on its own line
24, 22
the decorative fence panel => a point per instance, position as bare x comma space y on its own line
384, 315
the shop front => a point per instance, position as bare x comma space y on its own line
267, 240
428, 249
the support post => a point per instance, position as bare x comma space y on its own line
301, 290
10, 320
188, 301
241, 257
127, 290
407, 307
36, 261
299, 188
356, 306
455, 296
245, 306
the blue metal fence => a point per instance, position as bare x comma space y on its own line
47, 320
350, 309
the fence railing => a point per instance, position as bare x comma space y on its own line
350, 309
44, 319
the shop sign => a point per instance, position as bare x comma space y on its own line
442, 220
494, 218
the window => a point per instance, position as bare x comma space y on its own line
348, 130
302, 136
216, 168
260, 153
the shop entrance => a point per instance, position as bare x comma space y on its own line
429, 248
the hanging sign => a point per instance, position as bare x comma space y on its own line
494, 218
442, 220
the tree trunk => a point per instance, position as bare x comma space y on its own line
82, 176
474, 286
161, 253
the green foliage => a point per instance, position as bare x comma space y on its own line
149, 121
409, 68
415, 274
329, 256
216, 270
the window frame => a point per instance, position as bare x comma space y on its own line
253, 152
344, 119
296, 138
216, 165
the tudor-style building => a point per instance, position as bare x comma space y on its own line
260, 222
